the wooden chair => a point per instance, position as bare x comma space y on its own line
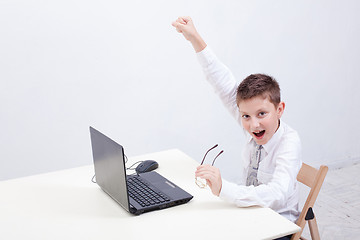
314, 179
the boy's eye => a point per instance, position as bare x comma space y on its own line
245, 116
262, 114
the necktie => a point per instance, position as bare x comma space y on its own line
253, 168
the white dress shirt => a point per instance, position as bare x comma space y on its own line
280, 159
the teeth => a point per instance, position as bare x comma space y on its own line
258, 133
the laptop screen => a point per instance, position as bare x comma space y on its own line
109, 166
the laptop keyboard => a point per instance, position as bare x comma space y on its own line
143, 194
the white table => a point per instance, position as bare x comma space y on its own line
67, 205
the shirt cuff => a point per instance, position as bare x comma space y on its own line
205, 57
227, 191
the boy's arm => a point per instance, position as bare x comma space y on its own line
222, 80
219, 76
282, 186
186, 26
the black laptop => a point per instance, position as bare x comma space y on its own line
137, 193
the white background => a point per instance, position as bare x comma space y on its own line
120, 67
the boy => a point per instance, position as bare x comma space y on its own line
272, 155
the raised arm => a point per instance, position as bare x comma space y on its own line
218, 75
186, 26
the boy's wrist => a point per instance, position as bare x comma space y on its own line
197, 42
218, 193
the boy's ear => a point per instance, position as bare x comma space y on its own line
280, 109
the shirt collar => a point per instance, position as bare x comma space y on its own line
275, 138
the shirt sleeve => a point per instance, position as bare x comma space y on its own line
278, 190
221, 78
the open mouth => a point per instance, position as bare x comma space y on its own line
259, 134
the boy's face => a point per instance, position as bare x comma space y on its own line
260, 118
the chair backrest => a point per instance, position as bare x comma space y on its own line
313, 178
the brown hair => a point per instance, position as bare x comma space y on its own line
259, 85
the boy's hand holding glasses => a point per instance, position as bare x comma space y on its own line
209, 175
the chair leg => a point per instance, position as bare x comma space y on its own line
314, 231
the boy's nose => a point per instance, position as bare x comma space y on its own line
255, 123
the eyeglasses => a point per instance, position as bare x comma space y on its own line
202, 182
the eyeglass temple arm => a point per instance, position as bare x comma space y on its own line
217, 157
207, 153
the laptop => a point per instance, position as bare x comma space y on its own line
136, 193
